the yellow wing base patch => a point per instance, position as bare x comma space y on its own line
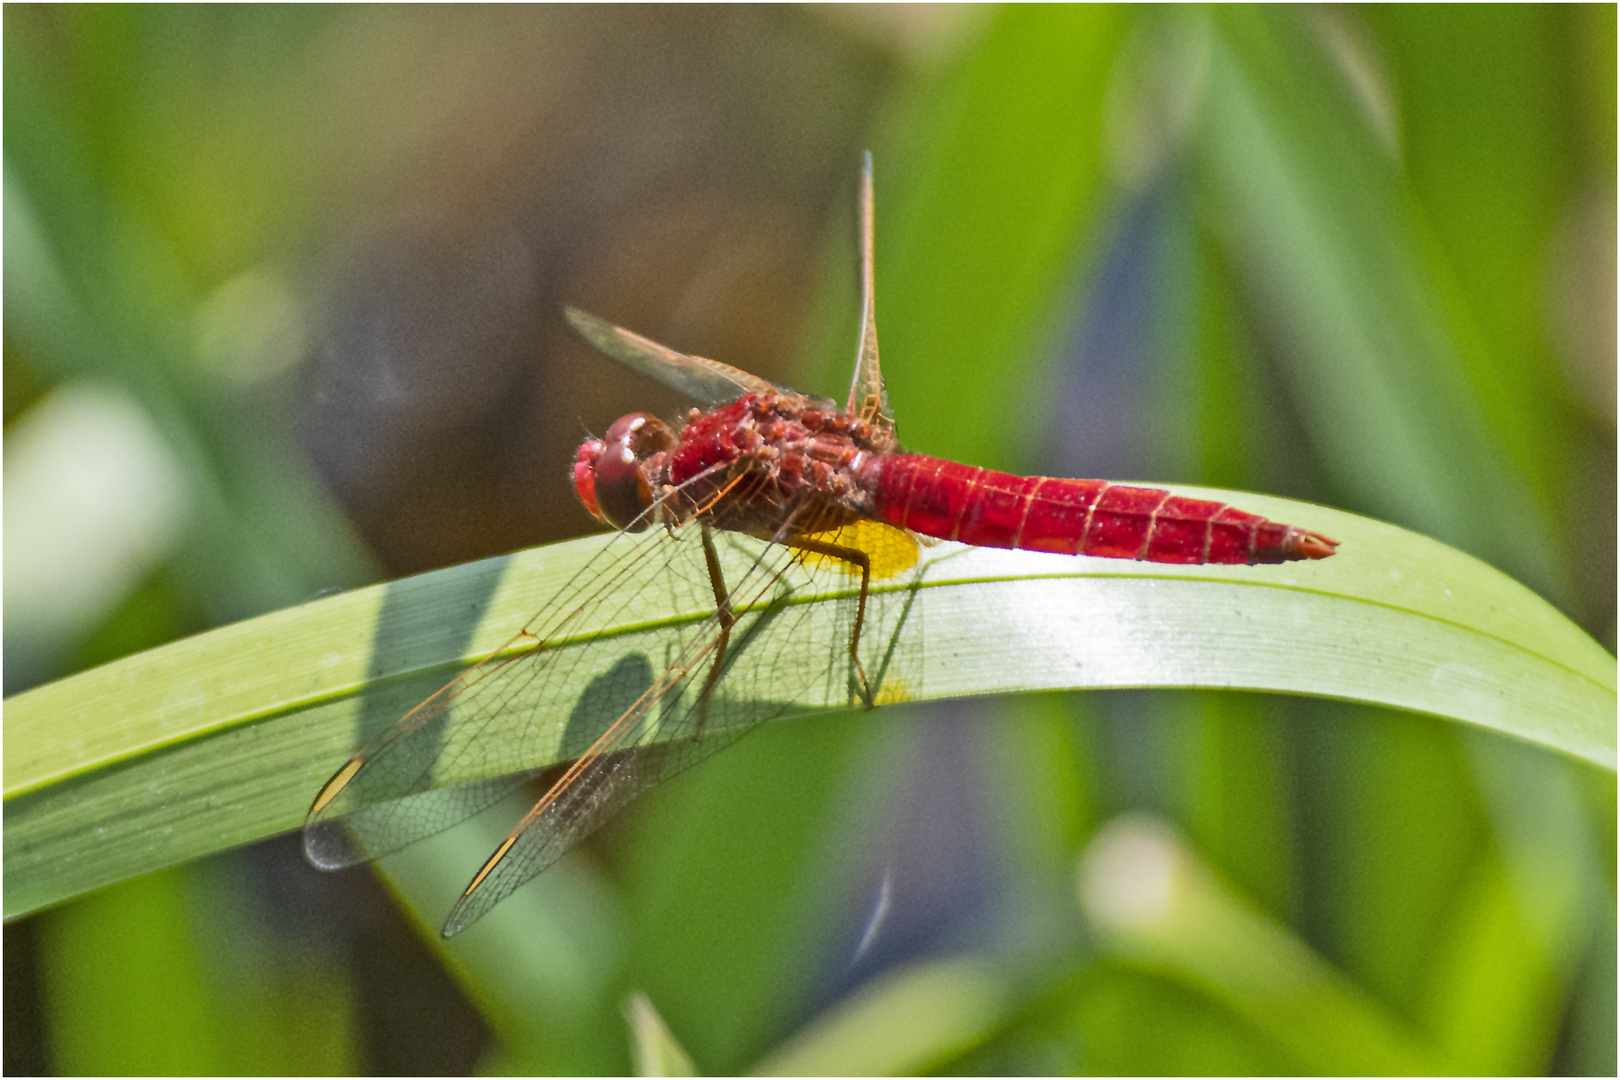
892, 550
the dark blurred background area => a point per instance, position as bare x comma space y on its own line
670, 168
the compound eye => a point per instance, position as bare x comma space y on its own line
609, 474
585, 476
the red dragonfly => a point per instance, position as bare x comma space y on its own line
767, 496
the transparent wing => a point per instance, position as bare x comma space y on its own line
630, 728
709, 696
708, 381
465, 747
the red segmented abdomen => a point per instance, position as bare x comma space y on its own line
950, 501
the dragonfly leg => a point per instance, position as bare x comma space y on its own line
858, 558
727, 617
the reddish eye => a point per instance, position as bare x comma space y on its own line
585, 477
608, 472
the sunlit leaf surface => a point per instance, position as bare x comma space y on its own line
233, 731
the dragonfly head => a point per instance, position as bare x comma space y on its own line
608, 471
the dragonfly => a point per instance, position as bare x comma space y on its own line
762, 498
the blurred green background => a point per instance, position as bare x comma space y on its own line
282, 292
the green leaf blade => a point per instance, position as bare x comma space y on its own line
270, 707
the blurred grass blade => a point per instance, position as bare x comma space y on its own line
1328, 237
138, 979
1155, 903
223, 738
656, 1051
901, 1023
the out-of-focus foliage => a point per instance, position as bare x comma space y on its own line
282, 288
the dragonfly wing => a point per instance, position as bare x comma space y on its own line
567, 814
867, 397
468, 745
708, 381
688, 714
332, 842
788, 623
712, 693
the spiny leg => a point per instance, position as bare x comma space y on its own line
727, 618
855, 557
